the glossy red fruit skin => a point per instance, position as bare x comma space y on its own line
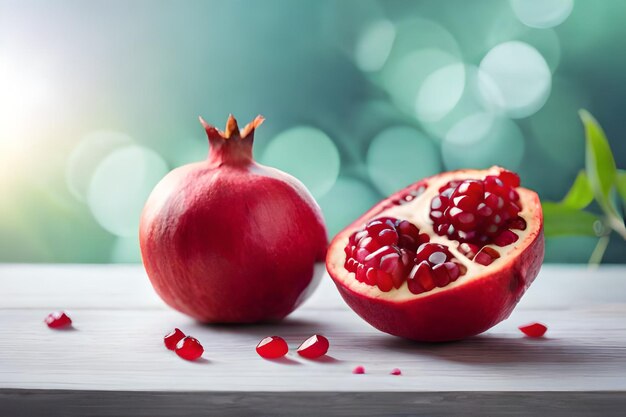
189, 348
272, 347
171, 339
456, 313
318, 348
534, 330
58, 320
228, 240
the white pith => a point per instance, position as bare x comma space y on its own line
417, 212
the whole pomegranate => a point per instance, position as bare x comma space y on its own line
444, 259
228, 240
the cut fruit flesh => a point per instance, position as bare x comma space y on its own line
490, 281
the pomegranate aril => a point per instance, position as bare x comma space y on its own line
384, 281
358, 370
314, 347
517, 223
58, 320
373, 259
510, 178
469, 250
272, 347
422, 274
172, 338
189, 348
371, 276
534, 329
453, 270
475, 211
440, 276
484, 210
361, 274
395, 371
505, 238
486, 256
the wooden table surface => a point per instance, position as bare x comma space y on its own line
113, 363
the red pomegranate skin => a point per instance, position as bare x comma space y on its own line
454, 314
228, 240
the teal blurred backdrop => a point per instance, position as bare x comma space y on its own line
99, 99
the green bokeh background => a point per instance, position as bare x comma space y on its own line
338, 78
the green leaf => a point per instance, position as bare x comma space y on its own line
621, 185
560, 220
599, 163
580, 195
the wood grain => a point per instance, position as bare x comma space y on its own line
28, 403
114, 360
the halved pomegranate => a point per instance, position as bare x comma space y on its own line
443, 259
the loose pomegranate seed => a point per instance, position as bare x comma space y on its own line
272, 347
396, 371
172, 338
478, 211
534, 329
58, 320
189, 348
314, 347
358, 370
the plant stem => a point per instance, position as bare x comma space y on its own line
598, 252
617, 225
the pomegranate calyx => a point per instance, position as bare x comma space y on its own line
231, 146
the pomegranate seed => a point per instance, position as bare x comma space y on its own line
534, 329
505, 238
468, 249
396, 371
172, 338
486, 256
58, 320
384, 281
510, 178
314, 347
382, 253
272, 347
517, 223
476, 211
358, 370
189, 348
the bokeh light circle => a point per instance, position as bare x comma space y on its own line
345, 202
547, 43
374, 45
86, 156
306, 153
440, 93
404, 78
470, 101
542, 13
514, 78
121, 185
483, 140
399, 156
420, 47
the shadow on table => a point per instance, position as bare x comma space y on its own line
290, 327
487, 349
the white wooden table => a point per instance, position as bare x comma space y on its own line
114, 363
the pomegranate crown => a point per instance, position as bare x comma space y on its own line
232, 129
